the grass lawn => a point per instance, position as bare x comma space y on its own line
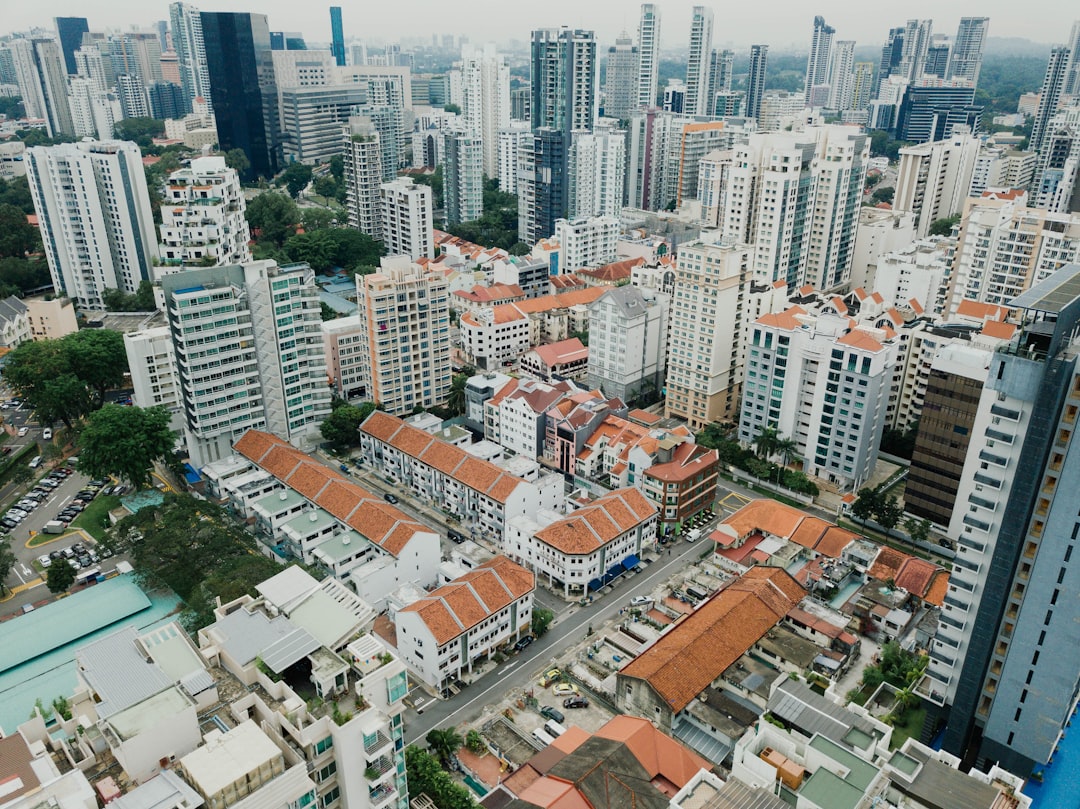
913, 723
95, 518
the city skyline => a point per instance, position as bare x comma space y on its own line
788, 25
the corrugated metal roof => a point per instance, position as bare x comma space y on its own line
796, 704
247, 635
118, 673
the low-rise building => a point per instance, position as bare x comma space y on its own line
566, 359
14, 323
514, 417
52, 318
485, 297
152, 364
682, 481
449, 630
571, 421
587, 549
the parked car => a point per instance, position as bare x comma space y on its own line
23, 431
554, 714
44, 560
389, 498
564, 689
46, 434
523, 643
550, 676
35, 462
455, 537
576, 701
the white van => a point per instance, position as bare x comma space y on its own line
542, 737
554, 729
693, 535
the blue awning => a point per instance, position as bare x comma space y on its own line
630, 562
595, 584
615, 570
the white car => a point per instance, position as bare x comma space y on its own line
44, 560
640, 601
46, 434
23, 431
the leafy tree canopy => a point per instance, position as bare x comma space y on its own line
334, 247
60, 576
17, 236
125, 441
275, 217
295, 178
341, 427
140, 301
140, 130
98, 358
237, 159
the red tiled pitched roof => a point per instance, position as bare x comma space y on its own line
606, 518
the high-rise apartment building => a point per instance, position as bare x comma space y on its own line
721, 71
132, 93
965, 60
1072, 69
795, 197
755, 80
842, 75
918, 35
1004, 247
405, 356
820, 60
311, 118
406, 218
628, 332
387, 121
96, 223
154, 381
862, 85
891, 52
463, 177
136, 54
202, 218
1050, 95
563, 80
362, 155
240, 65
585, 243
931, 112
1056, 184
70, 31
697, 65
42, 80
824, 383
337, 36
511, 141
1002, 667
648, 55
249, 354
620, 79
704, 360
596, 173
485, 87
187, 36
937, 58
90, 64
933, 179
542, 183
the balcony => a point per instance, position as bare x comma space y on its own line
381, 793
375, 745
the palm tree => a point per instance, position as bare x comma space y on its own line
765, 442
455, 402
785, 448
443, 743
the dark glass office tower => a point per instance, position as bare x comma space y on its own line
337, 34
241, 68
71, 30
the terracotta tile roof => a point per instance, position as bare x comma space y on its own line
451, 610
644, 417
839, 304
767, 515
935, 593
685, 660
591, 526
564, 351
887, 564
614, 272
686, 461
981, 311
999, 330
782, 320
371, 516
657, 752
857, 338
482, 476
834, 541
809, 532
494, 292
17, 774
916, 307
916, 575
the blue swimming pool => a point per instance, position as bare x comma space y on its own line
38, 649
1060, 787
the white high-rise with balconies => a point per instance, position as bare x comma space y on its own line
187, 34
820, 60
406, 218
485, 87
934, 178
585, 243
363, 176
249, 354
697, 100
648, 55
93, 207
202, 218
597, 173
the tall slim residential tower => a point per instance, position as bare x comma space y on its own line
39, 70
794, 196
891, 53
563, 80
463, 178
187, 34
405, 356
755, 81
648, 55
597, 174
485, 96
70, 30
1072, 71
917, 37
241, 66
1003, 666
965, 60
362, 156
406, 218
842, 75
820, 60
337, 36
249, 355
934, 178
94, 211
620, 79
1050, 96
202, 217
697, 64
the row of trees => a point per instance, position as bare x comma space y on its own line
887, 512
65, 379
767, 444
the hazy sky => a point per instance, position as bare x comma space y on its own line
781, 24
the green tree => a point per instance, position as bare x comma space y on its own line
342, 427
60, 577
142, 300
475, 742
125, 441
765, 442
455, 402
237, 159
17, 236
236, 577
41, 372
17, 192
541, 620
426, 776
443, 743
943, 227
785, 448
24, 274
333, 247
435, 180
918, 530
883, 194
865, 504
295, 178
140, 130
7, 563
98, 358
888, 513
275, 217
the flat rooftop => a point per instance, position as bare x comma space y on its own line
146, 715
228, 757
